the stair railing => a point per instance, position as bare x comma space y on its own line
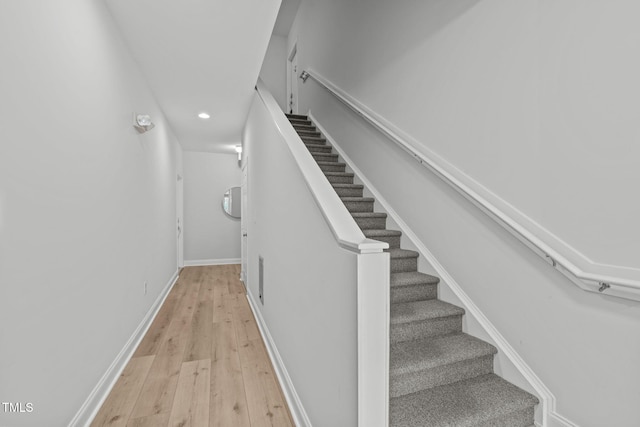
594, 282
373, 273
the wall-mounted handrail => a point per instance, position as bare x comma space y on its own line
594, 282
345, 230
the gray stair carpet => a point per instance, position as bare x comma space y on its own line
439, 376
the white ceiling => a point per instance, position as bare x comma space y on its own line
200, 55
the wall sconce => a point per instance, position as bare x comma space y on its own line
239, 151
304, 76
142, 122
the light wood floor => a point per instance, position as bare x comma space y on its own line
202, 362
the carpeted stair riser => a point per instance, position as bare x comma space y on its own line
411, 382
425, 328
412, 293
319, 148
309, 134
348, 190
399, 265
301, 123
313, 140
370, 221
325, 157
354, 205
305, 128
332, 166
291, 116
392, 237
413, 286
339, 178
317, 145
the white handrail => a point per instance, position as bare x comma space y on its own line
345, 230
594, 282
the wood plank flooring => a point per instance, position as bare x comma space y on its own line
201, 364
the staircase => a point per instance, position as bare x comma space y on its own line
439, 376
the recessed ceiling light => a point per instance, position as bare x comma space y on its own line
204, 115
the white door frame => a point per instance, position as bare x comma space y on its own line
292, 82
180, 220
244, 250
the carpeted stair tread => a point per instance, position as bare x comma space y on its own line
339, 177
416, 311
348, 190
354, 186
370, 220
416, 355
402, 253
487, 400
358, 204
304, 126
325, 157
296, 116
340, 173
412, 286
323, 163
357, 199
319, 148
313, 140
366, 214
412, 278
308, 133
372, 234
392, 237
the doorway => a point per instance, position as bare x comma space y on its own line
244, 211
292, 80
179, 224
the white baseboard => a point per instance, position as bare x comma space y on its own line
557, 420
300, 417
203, 262
90, 407
550, 418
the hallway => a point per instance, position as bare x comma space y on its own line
202, 362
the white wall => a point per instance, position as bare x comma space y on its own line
531, 98
87, 205
535, 101
274, 69
210, 235
309, 281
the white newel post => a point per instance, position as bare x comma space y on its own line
373, 339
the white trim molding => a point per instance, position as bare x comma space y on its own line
98, 395
557, 420
550, 418
300, 417
619, 281
203, 262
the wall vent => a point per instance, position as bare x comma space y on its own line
261, 279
